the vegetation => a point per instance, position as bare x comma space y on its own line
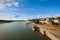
35, 20
56, 24
6, 21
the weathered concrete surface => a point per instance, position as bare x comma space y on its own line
42, 31
50, 34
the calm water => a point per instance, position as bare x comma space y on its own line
19, 31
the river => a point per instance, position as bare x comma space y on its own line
19, 31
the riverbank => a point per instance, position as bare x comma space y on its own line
8, 21
47, 31
5, 21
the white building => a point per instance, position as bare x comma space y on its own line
57, 21
42, 21
49, 20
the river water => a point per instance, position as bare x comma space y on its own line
19, 31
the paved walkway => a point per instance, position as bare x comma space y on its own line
50, 31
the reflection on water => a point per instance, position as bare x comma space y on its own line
19, 31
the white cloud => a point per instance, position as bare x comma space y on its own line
12, 2
16, 4
5, 3
23, 14
38, 16
2, 5
14, 9
28, 9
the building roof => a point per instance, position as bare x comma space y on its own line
57, 18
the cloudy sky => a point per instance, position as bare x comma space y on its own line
25, 9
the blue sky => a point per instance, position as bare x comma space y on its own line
26, 9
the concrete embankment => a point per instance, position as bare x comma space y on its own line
49, 33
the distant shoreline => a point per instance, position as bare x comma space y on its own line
8, 21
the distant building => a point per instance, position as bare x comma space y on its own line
57, 20
49, 20
43, 20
